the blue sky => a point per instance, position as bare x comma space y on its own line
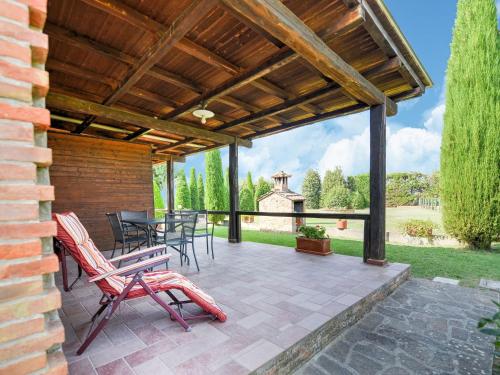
414, 134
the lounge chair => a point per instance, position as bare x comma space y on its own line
130, 281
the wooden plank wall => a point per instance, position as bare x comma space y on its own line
93, 176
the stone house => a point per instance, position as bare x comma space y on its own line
280, 199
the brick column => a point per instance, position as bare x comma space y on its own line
30, 330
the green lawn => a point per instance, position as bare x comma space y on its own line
427, 262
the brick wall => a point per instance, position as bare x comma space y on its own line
30, 331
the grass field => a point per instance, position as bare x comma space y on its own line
427, 262
395, 216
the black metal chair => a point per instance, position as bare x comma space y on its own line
171, 235
131, 215
123, 237
204, 231
189, 221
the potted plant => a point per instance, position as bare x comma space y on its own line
342, 224
313, 240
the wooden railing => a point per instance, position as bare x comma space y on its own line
364, 217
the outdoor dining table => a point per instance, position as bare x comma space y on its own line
148, 224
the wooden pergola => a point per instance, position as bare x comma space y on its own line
135, 71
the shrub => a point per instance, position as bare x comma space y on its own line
333, 179
311, 189
418, 228
470, 149
338, 197
316, 233
359, 201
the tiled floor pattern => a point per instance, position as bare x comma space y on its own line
273, 295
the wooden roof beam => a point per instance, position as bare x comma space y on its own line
330, 89
166, 157
283, 24
344, 24
71, 104
167, 39
142, 21
385, 42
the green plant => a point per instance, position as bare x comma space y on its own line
470, 149
491, 326
262, 187
311, 189
214, 184
201, 192
418, 228
182, 194
317, 232
361, 184
193, 189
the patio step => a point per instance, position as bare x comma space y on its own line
302, 351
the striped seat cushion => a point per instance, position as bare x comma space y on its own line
75, 237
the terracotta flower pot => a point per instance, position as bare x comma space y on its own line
342, 224
311, 246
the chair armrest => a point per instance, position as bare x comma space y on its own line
138, 254
133, 268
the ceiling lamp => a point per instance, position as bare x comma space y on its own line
203, 113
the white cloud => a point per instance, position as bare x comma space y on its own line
408, 148
434, 120
294, 152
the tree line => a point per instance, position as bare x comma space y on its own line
337, 191
211, 193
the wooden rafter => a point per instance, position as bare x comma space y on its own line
67, 103
331, 89
142, 21
385, 42
346, 23
283, 24
167, 39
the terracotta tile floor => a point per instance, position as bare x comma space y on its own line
273, 297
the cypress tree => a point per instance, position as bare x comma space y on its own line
201, 192
226, 190
251, 188
262, 187
470, 149
214, 182
311, 189
193, 190
246, 200
158, 200
182, 195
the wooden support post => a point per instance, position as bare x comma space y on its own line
170, 185
376, 253
234, 199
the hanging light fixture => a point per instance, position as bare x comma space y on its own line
203, 113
